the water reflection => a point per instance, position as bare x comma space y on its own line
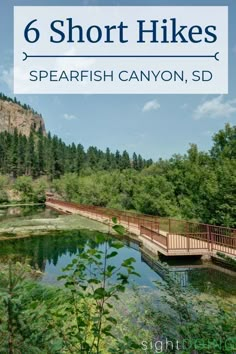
26, 212
53, 252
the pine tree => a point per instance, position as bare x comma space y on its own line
118, 159
125, 160
22, 143
40, 151
140, 163
80, 158
92, 156
30, 156
135, 161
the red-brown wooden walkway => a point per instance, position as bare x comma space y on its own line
168, 236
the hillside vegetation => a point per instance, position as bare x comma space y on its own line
198, 185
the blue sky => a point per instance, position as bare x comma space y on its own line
152, 125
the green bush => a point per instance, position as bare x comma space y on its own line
3, 196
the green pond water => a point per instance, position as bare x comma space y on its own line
52, 252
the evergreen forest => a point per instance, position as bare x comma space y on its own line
198, 185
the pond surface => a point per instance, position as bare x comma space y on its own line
52, 252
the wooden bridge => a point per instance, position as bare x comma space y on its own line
168, 236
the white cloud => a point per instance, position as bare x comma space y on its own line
151, 106
215, 108
7, 78
69, 116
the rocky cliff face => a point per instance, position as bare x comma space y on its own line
12, 116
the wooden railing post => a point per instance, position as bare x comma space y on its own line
187, 234
212, 241
209, 237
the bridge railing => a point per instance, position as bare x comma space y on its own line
217, 237
154, 236
222, 243
128, 218
201, 231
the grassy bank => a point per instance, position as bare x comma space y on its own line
19, 228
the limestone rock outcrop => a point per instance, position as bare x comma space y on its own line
13, 115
